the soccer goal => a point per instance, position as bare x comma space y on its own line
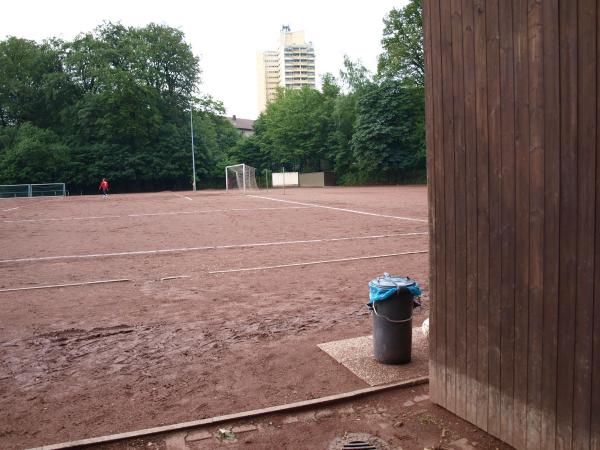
32, 190
240, 176
48, 189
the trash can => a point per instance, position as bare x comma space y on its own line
392, 299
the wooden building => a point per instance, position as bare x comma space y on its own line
514, 182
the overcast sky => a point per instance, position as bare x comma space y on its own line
226, 35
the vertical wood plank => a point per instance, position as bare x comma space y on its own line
536, 221
586, 186
595, 414
471, 210
450, 247
507, 220
439, 239
430, 127
521, 252
460, 230
552, 139
483, 212
494, 140
568, 223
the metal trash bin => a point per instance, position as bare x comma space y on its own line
392, 299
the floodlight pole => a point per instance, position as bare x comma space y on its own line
193, 156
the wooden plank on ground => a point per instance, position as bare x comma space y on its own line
471, 210
483, 209
586, 187
536, 223
568, 224
315, 402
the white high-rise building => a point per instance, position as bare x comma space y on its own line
292, 65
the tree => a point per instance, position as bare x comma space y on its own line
33, 86
294, 129
113, 102
37, 156
388, 140
354, 75
131, 121
402, 58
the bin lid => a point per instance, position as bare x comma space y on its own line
392, 281
384, 287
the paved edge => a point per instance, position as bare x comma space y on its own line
235, 416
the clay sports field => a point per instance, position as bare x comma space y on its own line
201, 304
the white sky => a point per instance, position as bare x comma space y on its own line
225, 34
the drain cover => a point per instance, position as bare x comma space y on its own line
358, 445
358, 441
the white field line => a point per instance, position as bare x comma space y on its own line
188, 198
175, 277
173, 213
311, 263
11, 209
315, 205
209, 247
83, 283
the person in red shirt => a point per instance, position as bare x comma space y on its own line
104, 187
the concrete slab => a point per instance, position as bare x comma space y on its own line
356, 354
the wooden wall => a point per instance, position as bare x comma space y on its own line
514, 185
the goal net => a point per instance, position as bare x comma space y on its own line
32, 190
14, 190
240, 176
48, 189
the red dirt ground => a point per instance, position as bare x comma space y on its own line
92, 360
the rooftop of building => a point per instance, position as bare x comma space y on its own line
241, 124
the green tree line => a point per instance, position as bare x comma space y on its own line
115, 103
111, 103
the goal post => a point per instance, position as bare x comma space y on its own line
240, 176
